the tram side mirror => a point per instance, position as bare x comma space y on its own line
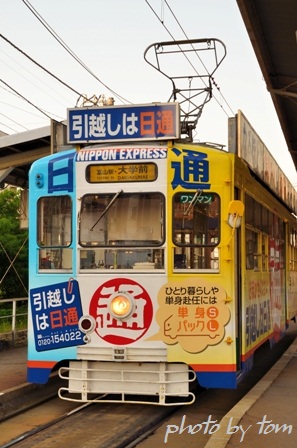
235, 213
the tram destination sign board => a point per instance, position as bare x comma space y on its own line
125, 172
159, 121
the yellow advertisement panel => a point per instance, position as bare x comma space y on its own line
193, 313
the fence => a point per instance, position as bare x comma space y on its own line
13, 321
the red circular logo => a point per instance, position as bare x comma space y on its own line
116, 331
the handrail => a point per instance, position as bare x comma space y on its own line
12, 317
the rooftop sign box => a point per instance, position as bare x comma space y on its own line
244, 141
136, 122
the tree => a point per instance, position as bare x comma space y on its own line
13, 247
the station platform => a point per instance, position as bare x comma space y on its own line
15, 392
267, 415
13, 368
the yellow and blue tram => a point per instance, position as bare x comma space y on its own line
156, 264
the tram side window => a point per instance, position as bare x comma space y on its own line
196, 230
256, 221
54, 216
258, 216
254, 213
264, 251
265, 220
256, 238
264, 236
249, 210
252, 249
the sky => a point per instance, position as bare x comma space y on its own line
110, 37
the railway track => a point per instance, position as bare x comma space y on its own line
57, 423
105, 425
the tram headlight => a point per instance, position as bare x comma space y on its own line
121, 305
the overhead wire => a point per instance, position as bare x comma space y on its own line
177, 21
61, 42
173, 38
8, 127
29, 81
44, 69
14, 107
13, 121
12, 90
23, 110
39, 65
26, 99
69, 51
184, 33
161, 20
33, 75
171, 35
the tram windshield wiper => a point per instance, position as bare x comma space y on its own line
193, 201
107, 208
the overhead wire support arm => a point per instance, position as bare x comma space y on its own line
191, 87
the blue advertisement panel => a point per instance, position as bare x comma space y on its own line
56, 310
110, 124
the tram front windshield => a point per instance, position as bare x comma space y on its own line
121, 220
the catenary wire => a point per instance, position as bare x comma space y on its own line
8, 127
21, 96
32, 75
185, 34
58, 117
13, 121
17, 96
15, 107
39, 65
171, 35
21, 73
69, 51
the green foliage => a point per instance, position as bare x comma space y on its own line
9, 203
13, 279
6, 317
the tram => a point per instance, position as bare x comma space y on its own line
156, 264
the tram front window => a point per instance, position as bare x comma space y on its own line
122, 230
196, 230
